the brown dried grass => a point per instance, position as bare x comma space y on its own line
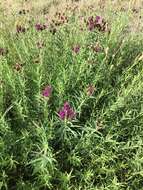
37, 5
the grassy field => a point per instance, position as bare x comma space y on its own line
71, 95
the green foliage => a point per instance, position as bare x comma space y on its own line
101, 149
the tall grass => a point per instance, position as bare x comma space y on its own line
100, 75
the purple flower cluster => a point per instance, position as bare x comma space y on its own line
40, 27
67, 112
91, 23
97, 22
47, 91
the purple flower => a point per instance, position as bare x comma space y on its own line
47, 91
91, 23
101, 24
90, 90
99, 20
66, 112
40, 27
76, 49
20, 29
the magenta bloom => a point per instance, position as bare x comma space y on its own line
76, 49
40, 27
47, 91
20, 29
101, 24
90, 90
91, 23
99, 20
67, 112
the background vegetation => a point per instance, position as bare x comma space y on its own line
71, 104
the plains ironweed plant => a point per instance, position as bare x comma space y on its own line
71, 103
67, 112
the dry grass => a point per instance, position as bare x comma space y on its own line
102, 148
36, 9
14, 5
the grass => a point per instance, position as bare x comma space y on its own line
99, 73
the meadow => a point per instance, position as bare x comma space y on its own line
71, 95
